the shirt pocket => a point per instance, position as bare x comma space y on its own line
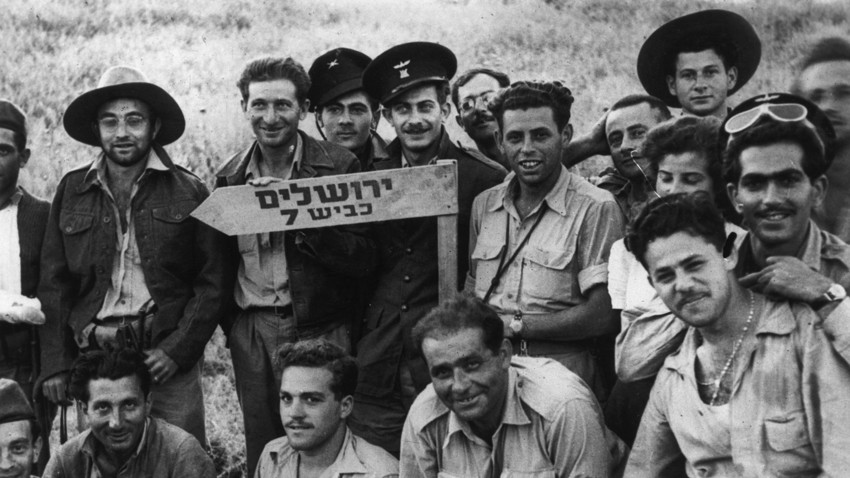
174, 233
547, 275
486, 259
77, 238
790, 451
547, 473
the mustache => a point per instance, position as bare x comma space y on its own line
689, 298
416, 129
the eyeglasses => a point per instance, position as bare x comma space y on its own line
133, 122
470, 102
784, 112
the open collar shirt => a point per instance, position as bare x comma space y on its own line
565, 256
551, 426
787, 415
10, 246
262, 279
357, 458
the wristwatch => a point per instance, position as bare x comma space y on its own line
835, 293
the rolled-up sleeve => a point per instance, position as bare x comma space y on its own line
602, 226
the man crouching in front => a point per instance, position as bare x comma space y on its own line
113, 388
487, 413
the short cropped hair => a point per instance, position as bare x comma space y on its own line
271, 68
725, 48
320, 353
461, 312
654, 103
767, 131
502, 79
694, 214
110, 365
826, 49
523, 95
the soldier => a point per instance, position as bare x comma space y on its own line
412, 83
289, 285
345, 114
697, 61
472, 93
19, 432
124, 264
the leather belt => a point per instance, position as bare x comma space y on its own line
278, 310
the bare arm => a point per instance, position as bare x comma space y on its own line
592, 318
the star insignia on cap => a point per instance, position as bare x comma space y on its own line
402, 70
333, 63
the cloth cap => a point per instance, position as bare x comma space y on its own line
14, 406
404, 66
123, 82
12, 118
334, 74
663, 44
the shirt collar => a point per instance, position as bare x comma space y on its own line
253, 168
810, 252
97, 171
14, 200
91, 445
556, 199
514, 413
346, 461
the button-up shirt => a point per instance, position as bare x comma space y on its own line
263, 278
551, 426
357, 458
10, 246
565, 256
787, 415
165, 451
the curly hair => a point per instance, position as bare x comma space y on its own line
463, 311
694, 214
523, 95
320, 353
767, 131
111, 365
269, 69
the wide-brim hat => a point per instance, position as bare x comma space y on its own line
814, 115
407, 65
657, 51
124, 82
335, 73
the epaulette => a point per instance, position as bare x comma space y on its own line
480, 157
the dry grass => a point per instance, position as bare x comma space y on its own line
55, 49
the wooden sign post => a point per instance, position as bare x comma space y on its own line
346, 199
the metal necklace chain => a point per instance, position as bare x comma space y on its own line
735, 349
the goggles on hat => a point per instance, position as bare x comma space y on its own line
784, 112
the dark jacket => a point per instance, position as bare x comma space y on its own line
32, 219
374, 150
183, 260
322, 263
407, 286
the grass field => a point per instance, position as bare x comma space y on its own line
56, 49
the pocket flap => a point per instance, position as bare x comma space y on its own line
786, 433
549, 258
485, 252
75, 223
175, 213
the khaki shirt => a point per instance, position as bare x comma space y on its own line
551, 426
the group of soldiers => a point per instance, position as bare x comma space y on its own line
683, 312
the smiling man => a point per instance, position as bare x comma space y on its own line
114, 391
412, 83
487, 413
756, 388
472, 93
316, 398
345, 113
19, 432
540, 240
697, 61
123, 263
283, 275
824, 79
